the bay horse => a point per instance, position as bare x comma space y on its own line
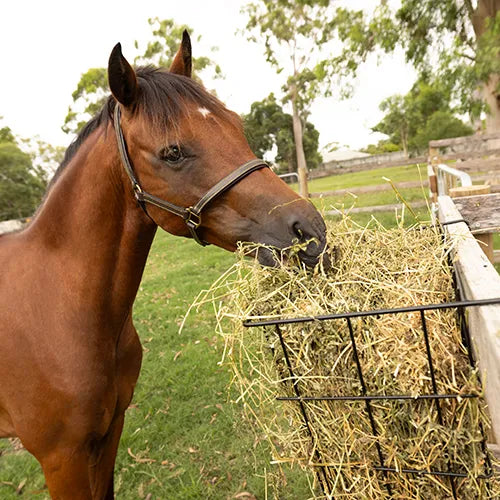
162, 152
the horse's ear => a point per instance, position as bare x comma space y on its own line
182, 63
121, 77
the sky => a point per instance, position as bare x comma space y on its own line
47, 45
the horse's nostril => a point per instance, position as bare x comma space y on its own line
298, 231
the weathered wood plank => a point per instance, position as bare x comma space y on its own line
482, 212
496, 256
477, 279
375, 188
432, 180
469, 139
376, 208
469, 155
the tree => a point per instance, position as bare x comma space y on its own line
45, 158
300, 40
267, 126
162, 48
440, 125
383, 146
92, 89
456, 40
396, 122
21, 188
424, 114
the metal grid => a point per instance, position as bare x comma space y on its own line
435, 396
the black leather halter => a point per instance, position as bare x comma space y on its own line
192, 214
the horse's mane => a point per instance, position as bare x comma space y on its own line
162, 99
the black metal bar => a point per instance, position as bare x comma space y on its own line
464, 332
456, 221
460, 306
382, 397
434, 388
433, 472
367, 402
377, 312
324, 485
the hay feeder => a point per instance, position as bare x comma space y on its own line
327, 474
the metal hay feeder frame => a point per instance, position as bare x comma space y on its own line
434, 395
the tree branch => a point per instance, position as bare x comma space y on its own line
469, 7
467, 56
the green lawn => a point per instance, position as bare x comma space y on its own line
370, 199
368, 178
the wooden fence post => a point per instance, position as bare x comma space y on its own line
433, 191
485, 238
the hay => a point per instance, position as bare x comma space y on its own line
375, 268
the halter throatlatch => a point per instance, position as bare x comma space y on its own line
192, 214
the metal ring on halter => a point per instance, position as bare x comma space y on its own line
189, 218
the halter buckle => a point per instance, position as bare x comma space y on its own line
138, 192
192, 219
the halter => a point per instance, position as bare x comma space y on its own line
192, 214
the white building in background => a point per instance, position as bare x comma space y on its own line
333, 158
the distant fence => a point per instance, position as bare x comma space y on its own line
468, 146
474, 152
395, 159
469, 150
8, 226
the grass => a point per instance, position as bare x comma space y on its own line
368, 178
370, 199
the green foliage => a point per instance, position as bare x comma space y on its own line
268, 126
440, 125
424, 114
396, 122
90, 94
21, 186
457, 40
160, 51
6, 135
92, 89
45, 157
300, 38
381, 147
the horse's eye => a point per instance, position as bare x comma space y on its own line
172, 154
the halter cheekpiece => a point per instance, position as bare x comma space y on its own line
192, 214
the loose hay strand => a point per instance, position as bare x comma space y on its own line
375, 268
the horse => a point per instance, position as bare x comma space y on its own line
162, 152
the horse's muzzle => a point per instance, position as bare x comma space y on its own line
303, 226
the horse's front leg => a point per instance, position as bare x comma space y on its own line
66, 472
128, 358
101, 468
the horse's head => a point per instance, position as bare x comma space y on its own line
178, 142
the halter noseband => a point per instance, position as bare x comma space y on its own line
192, 214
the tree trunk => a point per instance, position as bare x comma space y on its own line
299, 147
404, 140
492, 98
488, 9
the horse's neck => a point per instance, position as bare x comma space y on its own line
94, 234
